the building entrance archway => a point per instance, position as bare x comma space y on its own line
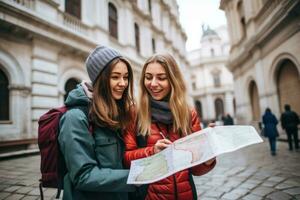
288, 85
4, 96
70, 85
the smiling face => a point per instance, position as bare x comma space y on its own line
156, 81
118, 80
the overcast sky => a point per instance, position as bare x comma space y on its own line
193, 13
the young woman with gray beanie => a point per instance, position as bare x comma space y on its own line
93, 156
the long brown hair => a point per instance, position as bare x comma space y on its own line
105, 110
178, 103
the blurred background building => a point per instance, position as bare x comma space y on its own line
264, 55
211, 82
44, 44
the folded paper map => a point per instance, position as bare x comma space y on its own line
191, 150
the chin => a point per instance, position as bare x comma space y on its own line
157, 98
117, 98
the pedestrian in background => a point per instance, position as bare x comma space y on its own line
227, 120
94, 160
163, 117
289, 122
270, 130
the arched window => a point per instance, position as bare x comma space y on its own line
254, 100
73, 7
288, 85
4, 96
70, 85
113, 20
198, 106
137, 37
219, 108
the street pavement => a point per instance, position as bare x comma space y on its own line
250, 173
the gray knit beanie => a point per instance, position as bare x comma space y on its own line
100, 57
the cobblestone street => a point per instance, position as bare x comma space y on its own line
250, 173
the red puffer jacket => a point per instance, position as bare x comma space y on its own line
179, 186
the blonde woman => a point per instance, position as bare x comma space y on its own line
163, 117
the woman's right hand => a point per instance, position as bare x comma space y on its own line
161, 145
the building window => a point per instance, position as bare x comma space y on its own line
4, 97
150, 7
212, 52
198, 106
242, 18
264, 2
73, 7
194, 86
113, 20
153, 46
137, 37
70, 85
217, 79
219, 108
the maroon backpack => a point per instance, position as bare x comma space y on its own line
52, 166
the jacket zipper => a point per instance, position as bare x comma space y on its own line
162, 133
175, 187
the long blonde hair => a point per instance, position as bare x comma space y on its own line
105, 110
178, 103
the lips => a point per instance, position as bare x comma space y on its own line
155, 93
119, 91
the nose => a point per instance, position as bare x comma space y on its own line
122, 82
153, 82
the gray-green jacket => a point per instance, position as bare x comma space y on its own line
94, 162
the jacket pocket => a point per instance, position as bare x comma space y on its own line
107, 152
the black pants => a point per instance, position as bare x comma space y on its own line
293, 134
272, 142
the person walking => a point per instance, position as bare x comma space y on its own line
164, 117
94, 160
270, 130
289, 122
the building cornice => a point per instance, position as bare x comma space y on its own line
28, 20
202, 61
39, 27
264, 34
211, 90
140, 13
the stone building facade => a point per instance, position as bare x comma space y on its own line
264, 55
44, 44
211, 82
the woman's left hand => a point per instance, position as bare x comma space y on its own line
209, 162
211, 125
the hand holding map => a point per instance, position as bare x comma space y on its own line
190, 151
